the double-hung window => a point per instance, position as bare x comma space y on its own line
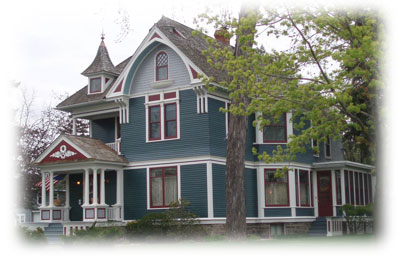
163, 186
162, 116
275, 132
276, 189
95, 85
303, 188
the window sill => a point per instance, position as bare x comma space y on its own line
162, 140
269, 143
162, 84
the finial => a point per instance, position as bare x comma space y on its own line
102, 35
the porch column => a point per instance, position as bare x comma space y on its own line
119, 187
51, 194
73, 125
66, 207
102, 188
43, 189
95, 186
86, 190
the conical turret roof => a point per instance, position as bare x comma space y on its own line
101, 63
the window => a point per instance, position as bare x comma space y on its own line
357, 188
170, 120
154, 123
162, 115
304, 188
162, 66
328, 148
95, 85
314, 143
275, 132
163, 186
276, 189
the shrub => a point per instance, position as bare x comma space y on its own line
98, 233
33, 235
357, 216
149, 224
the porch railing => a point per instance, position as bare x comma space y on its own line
116, 146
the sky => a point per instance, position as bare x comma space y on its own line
45, 45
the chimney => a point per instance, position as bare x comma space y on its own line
220, 36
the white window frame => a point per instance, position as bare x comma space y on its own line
330, 149
103, 84
178, 174
260, 132
162, 102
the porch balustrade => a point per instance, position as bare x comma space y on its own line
116, 146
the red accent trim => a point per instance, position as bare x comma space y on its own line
71, 230
90, 86
42, 212
195, 74
60, 218
154, 97
103, 217
166, 121
287, 189
86, 217
119, 88
161, 66
155, 35
274, 125
107, 79
170, 95
59, 148
150, 123
163, 184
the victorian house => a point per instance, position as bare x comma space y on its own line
157, 136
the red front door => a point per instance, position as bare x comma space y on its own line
324, 193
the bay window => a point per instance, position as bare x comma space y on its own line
358, 188
163, 186
276, 188
303, 188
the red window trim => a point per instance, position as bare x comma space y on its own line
162, 66
60, 214
287, 190
86, 217
102, 217
274, 125
90, 86
149, 123
41, 214
165, 122
163, 190
309, 186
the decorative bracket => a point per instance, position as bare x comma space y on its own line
123, 104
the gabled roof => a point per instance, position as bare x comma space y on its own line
101, 63
178, 34
71, 148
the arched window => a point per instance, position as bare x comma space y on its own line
162, 66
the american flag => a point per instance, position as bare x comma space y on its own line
56, 179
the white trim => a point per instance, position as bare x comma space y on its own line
342, 186
260, 192
260, 131
343, 163
315, 193
292, 191
333, 185
210, 197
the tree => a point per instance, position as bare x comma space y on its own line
35, 134
328, 79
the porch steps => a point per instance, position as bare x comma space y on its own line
53, 233
318, 227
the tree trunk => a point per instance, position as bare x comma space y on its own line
236, 146
235, 165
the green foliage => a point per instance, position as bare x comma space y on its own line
33, 235
357, 216
177, 221
329, 74
93, 233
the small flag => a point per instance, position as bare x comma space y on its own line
56, 179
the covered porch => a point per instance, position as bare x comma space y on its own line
93, 177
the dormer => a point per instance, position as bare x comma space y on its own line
101, 72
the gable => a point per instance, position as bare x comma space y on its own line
63, 152
145, 76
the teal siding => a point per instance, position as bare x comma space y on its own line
304, 212
135, 194
194, 188
251, 192
219, 195
104, 129
194, 138
75, 194
217, 127
277, 212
